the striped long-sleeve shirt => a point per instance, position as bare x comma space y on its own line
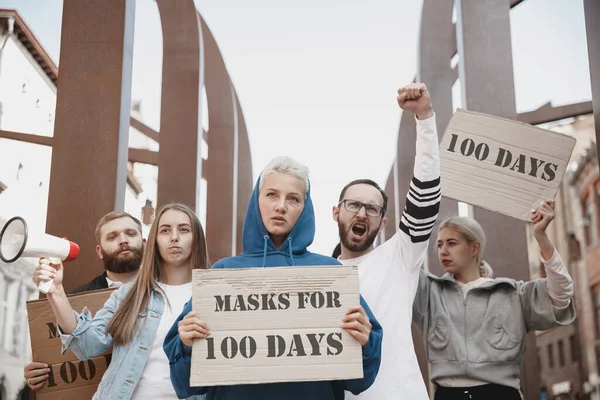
390, 273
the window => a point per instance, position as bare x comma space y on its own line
572, 346
550, 356
561, 353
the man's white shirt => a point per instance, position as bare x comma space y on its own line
389, 275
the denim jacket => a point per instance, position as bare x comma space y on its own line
89, 340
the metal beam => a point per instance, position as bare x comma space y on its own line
135, 155
91, 131
143, 156
143, 128
592, 26
47, 140
223, 147
513, 3
180, 125
244, 175
437, 44
24, 137
548, 113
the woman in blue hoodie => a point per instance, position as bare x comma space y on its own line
279, 226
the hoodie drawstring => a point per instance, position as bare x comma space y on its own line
266, 237
290, 249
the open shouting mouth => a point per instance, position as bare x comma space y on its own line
359, 230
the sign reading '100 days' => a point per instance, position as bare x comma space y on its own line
275, 325
501, 165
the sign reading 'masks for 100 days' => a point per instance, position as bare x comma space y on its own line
502, 165
275, 325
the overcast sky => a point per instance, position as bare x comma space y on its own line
317, 79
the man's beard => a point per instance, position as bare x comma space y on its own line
120, 265
355, 247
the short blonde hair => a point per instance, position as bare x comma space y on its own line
286, 165
472, 232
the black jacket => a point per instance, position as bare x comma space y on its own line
97, 283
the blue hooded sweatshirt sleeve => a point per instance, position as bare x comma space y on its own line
259, 251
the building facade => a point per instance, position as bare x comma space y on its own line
567, 355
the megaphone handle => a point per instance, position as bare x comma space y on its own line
44, 287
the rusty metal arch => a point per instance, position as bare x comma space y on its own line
179, 157
222, 165
244, 178
190, 58
436, 49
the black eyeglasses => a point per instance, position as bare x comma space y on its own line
354, 206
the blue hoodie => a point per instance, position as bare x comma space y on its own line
259, 251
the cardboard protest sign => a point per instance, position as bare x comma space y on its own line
501, 165
275, 325
70, 378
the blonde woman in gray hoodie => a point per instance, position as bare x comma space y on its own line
474, 325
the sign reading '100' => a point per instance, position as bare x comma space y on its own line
522, 163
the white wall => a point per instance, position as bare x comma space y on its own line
28, 97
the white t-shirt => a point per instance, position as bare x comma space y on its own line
390, 273
113, 284
155, 382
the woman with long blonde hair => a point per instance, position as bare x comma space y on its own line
136, 317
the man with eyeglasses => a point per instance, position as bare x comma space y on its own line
389, 273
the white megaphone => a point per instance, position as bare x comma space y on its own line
16, 242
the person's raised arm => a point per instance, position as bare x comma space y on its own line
548, 302
57, 298
560, 283
423, 198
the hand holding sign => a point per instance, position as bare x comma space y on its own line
542, 217
357, 324
36, 375
415, 98
191, 328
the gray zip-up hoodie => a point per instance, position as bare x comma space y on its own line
483, 335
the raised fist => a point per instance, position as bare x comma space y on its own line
415, 98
